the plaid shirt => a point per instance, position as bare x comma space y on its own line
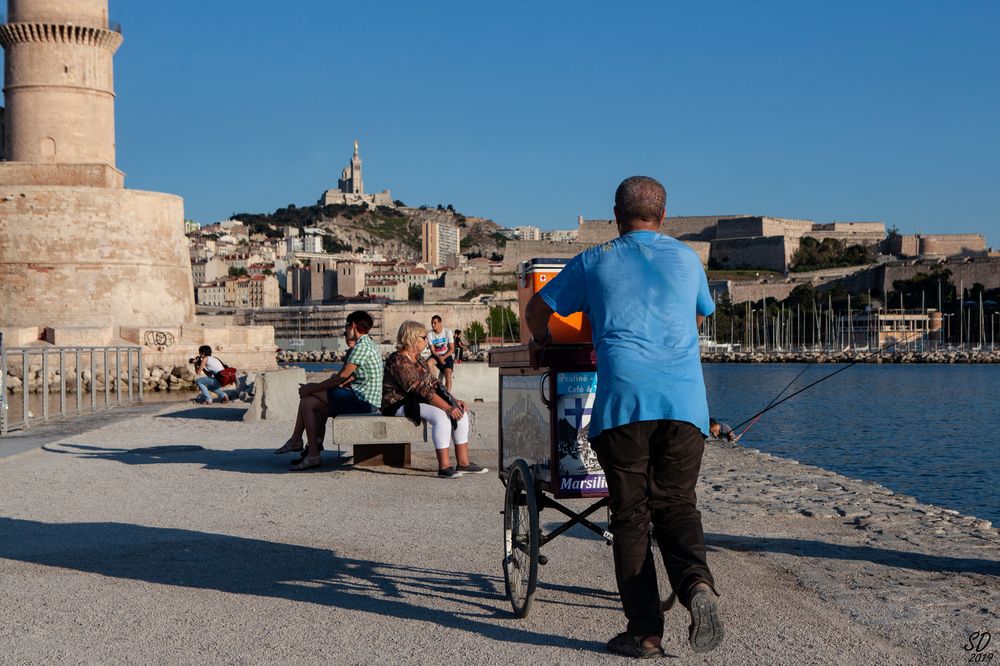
367, 382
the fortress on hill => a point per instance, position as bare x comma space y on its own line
83, 260
756, 241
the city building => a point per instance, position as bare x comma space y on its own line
391, 289
559, 235
441, 243
527, 233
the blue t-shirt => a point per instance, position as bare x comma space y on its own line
641, 293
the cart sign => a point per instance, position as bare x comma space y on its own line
576, 382
579, 471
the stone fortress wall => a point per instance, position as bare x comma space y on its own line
766, 252
80, 256
940, 245
694, 227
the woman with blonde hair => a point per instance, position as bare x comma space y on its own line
409, 389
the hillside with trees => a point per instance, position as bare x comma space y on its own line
393, 231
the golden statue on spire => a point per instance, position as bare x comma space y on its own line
355, 146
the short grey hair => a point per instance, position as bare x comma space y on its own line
640, 198
409, 332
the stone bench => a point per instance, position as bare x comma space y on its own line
377, 439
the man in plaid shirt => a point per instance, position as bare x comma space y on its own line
355, 389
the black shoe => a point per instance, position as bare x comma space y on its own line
472, 468
705, 632
630, 646
449, 473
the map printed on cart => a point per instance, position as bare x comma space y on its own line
578, 467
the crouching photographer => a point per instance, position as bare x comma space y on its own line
209, 368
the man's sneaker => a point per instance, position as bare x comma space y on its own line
471, 468
449, 473
705, 632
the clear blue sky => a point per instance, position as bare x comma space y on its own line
532, 112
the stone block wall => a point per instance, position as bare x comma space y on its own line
595, 232
953, 245
942, 245
768, 252
740, 292
695, 227
517, 251
702, 248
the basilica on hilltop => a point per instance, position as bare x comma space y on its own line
351, 188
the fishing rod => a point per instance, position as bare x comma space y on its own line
770, 404
775, 403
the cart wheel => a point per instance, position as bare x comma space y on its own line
521, 534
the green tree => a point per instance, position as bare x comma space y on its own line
829, 253
237, 272
416, 292
503, 323
475, 332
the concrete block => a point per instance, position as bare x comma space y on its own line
80, 336
19, 336
276, 395
360, 429
374, 455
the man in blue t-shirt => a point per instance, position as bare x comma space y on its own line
645, 295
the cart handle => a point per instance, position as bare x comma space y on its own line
541, 389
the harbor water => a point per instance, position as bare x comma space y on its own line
931, 431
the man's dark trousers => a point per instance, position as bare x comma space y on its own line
652, 468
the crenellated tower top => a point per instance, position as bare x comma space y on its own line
59, 82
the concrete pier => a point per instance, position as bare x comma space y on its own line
174, 535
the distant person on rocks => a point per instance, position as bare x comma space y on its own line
410, 390
460, 347
721, 431
645, 295
442, 347
355, 389
207, 365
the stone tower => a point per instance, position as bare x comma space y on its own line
350, 179
77, 249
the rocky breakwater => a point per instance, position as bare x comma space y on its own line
849, 356
914, 574
157, 378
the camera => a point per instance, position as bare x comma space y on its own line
195, 361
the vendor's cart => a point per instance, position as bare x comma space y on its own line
544, 454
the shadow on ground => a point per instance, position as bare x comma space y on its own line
246, 461
207, 414
821, 549
239, 565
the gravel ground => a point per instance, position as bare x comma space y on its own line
114, 552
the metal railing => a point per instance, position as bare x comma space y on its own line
105, 365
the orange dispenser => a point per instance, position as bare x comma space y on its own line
534, 274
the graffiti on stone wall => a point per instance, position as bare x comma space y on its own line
158, 338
